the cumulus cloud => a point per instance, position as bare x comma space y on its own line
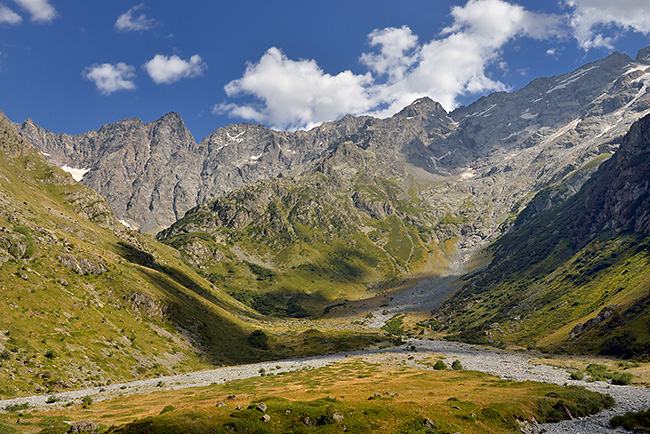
8, 16
590, 18
298, 93
166, 70
41, 11
131, 21
396, 52
110, 78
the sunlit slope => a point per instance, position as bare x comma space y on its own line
575, 276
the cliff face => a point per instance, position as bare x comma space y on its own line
572, 276
495, 153
618, 198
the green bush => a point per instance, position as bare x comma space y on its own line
17, 407
167, 409
440, 366
86, 401
622, 378
259, 339
633, 421
577, 375
456, 365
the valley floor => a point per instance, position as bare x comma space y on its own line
415, 353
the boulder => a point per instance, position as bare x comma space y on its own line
83, 426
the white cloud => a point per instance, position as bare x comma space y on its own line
396, 53
298, 93
40, 10
130, 22
110, 78
167, 70
590, 17
8, 16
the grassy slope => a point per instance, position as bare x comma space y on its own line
456, 401
315, 240
545, 280
144, 312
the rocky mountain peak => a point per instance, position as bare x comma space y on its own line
423, 108
643, 56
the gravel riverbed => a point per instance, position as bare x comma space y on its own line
507, 365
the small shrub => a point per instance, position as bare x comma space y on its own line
167, 409
17, 407
259, 339
262, 371
597, 372
577, 375
440, 366
5, 355
633, 421
622, 378
160, 384
50, 354
456, 365
52, 399
86, 401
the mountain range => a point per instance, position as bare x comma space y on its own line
549, 182
153, 173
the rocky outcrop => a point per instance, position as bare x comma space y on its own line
618, 198
83, 265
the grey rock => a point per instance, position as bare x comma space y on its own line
83, 265
307, 421
83, 426
338, 416
429, 424
262, 407
266, 418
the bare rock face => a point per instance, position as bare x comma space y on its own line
83, 265
482, 162
83, 427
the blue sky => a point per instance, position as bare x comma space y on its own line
73, 66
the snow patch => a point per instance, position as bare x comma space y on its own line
571, 79
638, 95
77, 174
45, 153
256, 157
483, 113
636, 67
528, 115
126, 224
237, 137
568, 127
469, 173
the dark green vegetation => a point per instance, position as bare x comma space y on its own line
87, 302
633, 421
574, 277
292, 246
356, 396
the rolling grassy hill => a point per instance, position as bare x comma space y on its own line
86, 301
